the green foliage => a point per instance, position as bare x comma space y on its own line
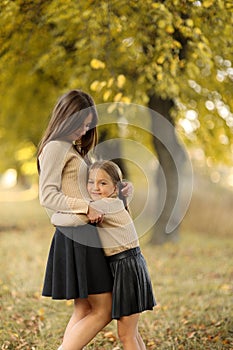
118, 51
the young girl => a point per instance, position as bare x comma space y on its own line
132, 290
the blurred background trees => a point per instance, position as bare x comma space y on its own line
173, 56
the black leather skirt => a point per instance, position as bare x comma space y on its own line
132, 288
76, 270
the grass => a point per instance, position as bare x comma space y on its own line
192, 283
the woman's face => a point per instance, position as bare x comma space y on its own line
78, 133
100, 184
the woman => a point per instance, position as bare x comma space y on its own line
74, 270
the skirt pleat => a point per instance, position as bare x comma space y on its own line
132, 288
76, 270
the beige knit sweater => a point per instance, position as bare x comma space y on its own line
117, 231
62, 180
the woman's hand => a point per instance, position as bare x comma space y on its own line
127, 190
94, 215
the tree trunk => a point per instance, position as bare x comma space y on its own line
171, 159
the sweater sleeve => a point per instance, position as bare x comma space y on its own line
52, 161
108, 205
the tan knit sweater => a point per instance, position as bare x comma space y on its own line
62, 180
117, 231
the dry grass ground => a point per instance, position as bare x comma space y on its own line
192, 282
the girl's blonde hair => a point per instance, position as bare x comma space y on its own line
68, 115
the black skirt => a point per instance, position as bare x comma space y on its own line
76, 270
132, 289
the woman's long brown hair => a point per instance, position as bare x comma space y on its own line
68, 115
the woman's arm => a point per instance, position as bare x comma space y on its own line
52, 162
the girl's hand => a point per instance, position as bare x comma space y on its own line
127, 190
94, 215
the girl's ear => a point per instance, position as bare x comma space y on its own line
115, 192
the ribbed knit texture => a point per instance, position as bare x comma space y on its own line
117, 231
62, 180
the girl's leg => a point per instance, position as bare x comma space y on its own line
86, 328
81, 310
128, 332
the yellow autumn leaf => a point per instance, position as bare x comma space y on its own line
161, 24
107, 94
201, 46
177, 44
97, 85
150, 343
101, 85
169, 29
36, 295
111, 337
29, 168
26, 152
155, 5
41, 313
160, 76
173, 67
160, 59
121, 81
189, 22
108, 334
181, 347
15, 335
111, 107
117, 97
164, 307
125, 99
197, 31
207, 3
216, 339
94, 85
5, 288
97, 64
226, 287
110, 82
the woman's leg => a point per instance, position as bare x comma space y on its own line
128, 332
80, 333
81, 310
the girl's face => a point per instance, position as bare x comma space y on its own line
100, 184
78, 133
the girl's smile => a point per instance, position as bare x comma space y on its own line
100, 184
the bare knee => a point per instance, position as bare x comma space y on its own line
105, 314
101, 306
125, 335
81, 308
127, 328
